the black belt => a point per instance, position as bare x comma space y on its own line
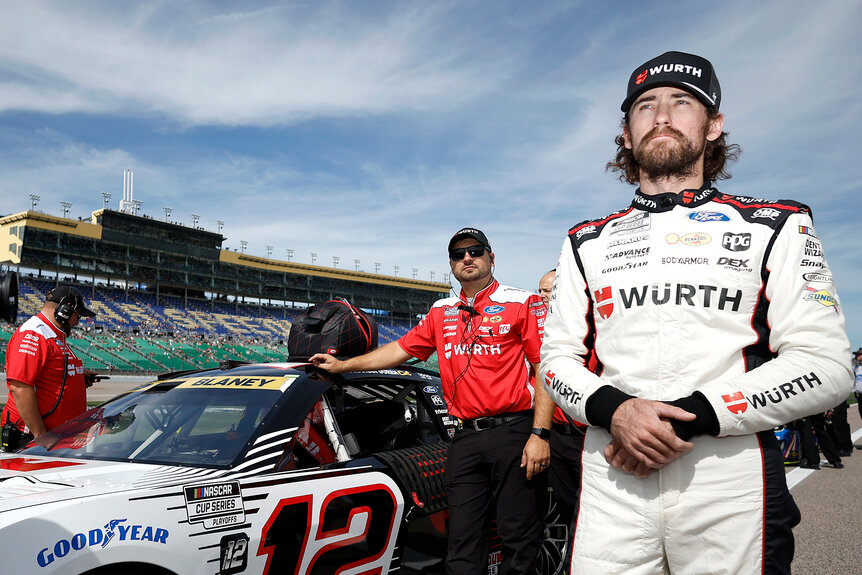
492, 421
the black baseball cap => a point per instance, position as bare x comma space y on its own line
60, 293
687, 71
469, 233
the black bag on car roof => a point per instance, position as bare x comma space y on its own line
335, 327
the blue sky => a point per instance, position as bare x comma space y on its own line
374, 130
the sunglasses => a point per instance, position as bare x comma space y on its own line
458, 254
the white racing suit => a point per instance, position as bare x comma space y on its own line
727, 304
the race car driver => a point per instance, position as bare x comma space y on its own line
484, 338
714, 318
47, 381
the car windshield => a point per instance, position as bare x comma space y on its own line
164, 424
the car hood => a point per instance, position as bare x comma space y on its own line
27, 480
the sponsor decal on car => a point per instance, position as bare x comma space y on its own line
430, 389
214, 505
114, 530
249, 382
233, 553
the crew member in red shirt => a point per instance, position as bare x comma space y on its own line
47, 382
487, 340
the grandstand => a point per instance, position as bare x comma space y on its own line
168, 298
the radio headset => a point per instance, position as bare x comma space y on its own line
66, 308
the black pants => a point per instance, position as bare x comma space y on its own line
484, 479
567, 446
841, 429
825, 438
807, 449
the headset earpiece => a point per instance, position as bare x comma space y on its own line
65, 309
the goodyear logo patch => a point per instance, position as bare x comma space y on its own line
239, 382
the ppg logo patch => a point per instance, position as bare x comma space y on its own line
736, 242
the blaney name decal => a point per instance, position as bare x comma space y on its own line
239, 382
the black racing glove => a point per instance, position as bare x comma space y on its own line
601, 405
706, 422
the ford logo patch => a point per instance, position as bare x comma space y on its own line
708, 217
493, 309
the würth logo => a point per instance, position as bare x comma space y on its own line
736, 402
605, 302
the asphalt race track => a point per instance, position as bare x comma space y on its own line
828, 540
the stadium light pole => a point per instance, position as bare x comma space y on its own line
220, 225
106, 197
242, 245
289, 253
356, 265
313, 258
377, 267
335, 260
415, 272
432, 276
269, 251
137, 204
195, 219
446, 278
34, 199
396, 268
168, 211
66, 206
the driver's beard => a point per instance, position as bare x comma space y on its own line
668, 160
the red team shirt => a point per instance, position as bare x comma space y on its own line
35, 356
483, 354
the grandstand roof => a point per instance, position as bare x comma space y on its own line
166, 257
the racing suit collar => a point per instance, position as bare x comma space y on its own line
484, 293
666, 202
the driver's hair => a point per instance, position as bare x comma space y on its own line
717, 155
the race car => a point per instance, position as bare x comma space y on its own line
252, 468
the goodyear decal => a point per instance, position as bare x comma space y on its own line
239, 382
